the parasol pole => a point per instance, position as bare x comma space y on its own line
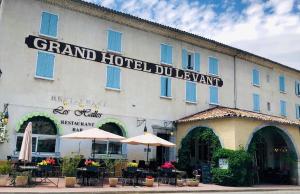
147, 153
93, 148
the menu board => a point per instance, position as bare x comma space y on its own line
206, 174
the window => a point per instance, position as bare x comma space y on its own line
113, 147
255, 77
256, 103
297, 111
190, 60
297, 88
49, 24
114, 41
282, 108
213, 91
113, 77
165, 87
269, 106
44, 135
268, 78
166, 54
213, 64
281, 83
190, 92
45, 65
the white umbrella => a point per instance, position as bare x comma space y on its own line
26, 148
94, 134
148, 139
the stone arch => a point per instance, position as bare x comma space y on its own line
41, 114
115, 121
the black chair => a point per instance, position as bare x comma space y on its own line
131, 175
167, 176
142, 164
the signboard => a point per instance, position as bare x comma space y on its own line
71, 50
206, 174
223, 163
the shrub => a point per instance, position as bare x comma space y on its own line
5, 168
239, 172
70, 164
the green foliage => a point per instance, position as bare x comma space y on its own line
5, 168
239, 172
203, 134
70, 164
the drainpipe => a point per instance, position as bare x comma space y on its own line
234, 82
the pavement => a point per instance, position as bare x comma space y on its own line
46, 188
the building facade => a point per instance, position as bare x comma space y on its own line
69, 65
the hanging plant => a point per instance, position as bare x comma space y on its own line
3, 124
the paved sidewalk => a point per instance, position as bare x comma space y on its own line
46, 188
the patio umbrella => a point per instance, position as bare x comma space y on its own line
148, 139
94, 134
26, 147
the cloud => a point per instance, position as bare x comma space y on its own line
266, 28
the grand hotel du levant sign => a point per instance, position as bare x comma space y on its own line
71, 50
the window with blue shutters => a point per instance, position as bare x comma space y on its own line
255, 77
213, 66
165, 87
45, 65
297, 111
166, 54
49, 24
256, 103
281, 83
114, 41
282, 108
190, 60
113, 77
214, 96
297, 87
190, 92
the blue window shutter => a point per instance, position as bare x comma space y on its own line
53, 25
297, 88
170, 54
169, 87
124, 148
255, 77
163, 85
213, 66
163, 53
117, 77
45, 23
184, 59
45, 64
297, 111
110, 77
282, 83
114, 41
197, 62
190, 92
256, 103
282, 108
213, 95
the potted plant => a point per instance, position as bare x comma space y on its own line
69, 169
22, 178
192, 182
110, 167
91, 165
180, 181
46, 165
5, 169
149, 181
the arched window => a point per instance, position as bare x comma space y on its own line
44, 134
102, 147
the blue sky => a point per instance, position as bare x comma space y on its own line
269, 28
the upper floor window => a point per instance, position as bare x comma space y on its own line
214, 96
282, 108
113, 77
297, 111
190, 60
190, 92
281, 83
45, 65
213, 64
269, 106
166, 54
165, 86
297, 88
255, 77
114, 41
49, 24
256, 103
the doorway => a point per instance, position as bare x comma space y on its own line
163, 153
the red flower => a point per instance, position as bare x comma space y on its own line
88, 162
167, 165
50, 161
149, 177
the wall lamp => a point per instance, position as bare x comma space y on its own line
0, 73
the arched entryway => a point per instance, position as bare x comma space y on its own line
44, 135
197, 148
274, 156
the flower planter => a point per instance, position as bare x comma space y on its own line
113, 182
192, 183
70, 181
3, 180
149, 182
180, 183
21, 181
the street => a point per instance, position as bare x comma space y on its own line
247, 192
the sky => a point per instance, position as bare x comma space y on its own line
268, 28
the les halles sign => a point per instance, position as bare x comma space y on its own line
117, 60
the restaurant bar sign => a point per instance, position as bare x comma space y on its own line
117, 60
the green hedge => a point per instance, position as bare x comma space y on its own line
239, 172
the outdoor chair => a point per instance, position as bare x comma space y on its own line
130, 175
167, 176
142, 164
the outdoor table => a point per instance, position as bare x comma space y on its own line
86, 174
45, 171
